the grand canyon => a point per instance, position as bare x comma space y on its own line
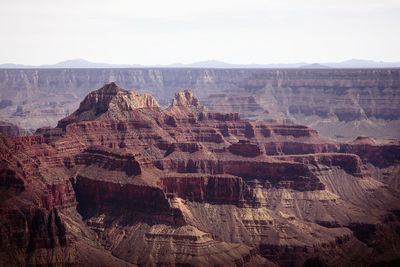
95, 174
199, 133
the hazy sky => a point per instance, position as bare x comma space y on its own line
170, 31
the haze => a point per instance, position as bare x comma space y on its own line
164, 32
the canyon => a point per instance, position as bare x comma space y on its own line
126, 181
341, 104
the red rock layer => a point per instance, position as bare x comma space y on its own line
213, 189
245, 149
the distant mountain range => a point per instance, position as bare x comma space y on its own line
84, 64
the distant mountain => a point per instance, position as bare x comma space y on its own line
314, 66
15, 66
71, 64
80, 63
360, 63
211, 64
214, 64
223, 65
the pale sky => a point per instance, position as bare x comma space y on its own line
148, 32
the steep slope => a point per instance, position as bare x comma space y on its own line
123, 181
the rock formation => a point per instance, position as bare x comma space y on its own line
124, 182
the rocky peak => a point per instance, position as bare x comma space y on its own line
110, 96
185, 101
100, 99
185, 98
112, 101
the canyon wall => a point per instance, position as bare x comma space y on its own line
339, 103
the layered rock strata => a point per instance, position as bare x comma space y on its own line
122, 181
339, 103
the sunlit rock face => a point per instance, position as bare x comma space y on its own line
124, 182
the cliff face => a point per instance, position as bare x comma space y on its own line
122, 180
340, 104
